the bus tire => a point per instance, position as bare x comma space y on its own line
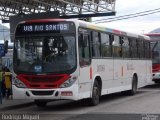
40, 103
156, 82
133, 91
94, 100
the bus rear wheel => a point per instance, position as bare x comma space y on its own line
133, 91
40, 103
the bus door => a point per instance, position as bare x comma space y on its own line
84, 62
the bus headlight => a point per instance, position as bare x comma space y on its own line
68, 82
18, 83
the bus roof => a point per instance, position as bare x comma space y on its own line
153, 34
91, 26
110, 30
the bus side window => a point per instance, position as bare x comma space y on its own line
84, 49
96, 47
148, 50
117, 49
130, 47
105, 45
140, 48
133, 43
111, 39
125, 47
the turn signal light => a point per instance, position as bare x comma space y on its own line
66, 93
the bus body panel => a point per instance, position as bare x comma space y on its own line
104, 69
85, 82
20, 93
124, 71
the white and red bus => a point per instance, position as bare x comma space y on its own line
155, 46
72, 59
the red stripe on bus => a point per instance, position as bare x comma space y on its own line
91, 73
43, 81
122, 70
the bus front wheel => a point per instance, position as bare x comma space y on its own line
94, 100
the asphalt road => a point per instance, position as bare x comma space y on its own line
145, 105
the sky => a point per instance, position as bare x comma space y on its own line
138, 25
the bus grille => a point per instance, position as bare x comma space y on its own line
43, 79
42, 92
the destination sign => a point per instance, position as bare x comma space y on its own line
64, 27
48, 27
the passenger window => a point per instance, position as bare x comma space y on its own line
148, 50
140, 48
133, 47
117, 49
125, 47
84, 49
96, 48
105, 45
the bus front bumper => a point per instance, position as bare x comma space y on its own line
156, 76
70, 93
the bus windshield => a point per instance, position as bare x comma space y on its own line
155, 52
44, 54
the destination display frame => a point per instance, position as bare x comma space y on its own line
45, 27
